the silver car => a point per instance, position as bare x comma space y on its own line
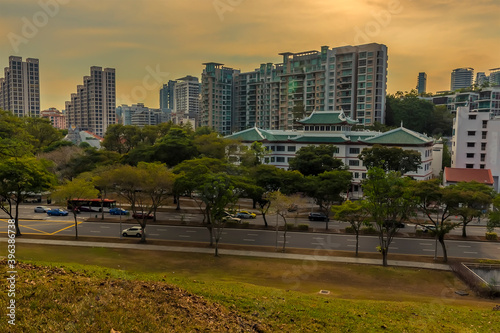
133, 231
41, 209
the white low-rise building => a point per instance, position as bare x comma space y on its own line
334, 128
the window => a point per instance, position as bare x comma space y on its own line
484, 134
280, 159
354, 151
291, 148
470, 155
485, 123
472, 116
363, 175
483, 145
469, 166
280, 148
471, 133
471, 144
483, 157
481, 166
353, 162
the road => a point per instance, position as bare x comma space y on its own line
64, 225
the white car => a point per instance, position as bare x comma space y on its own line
426, 227
132, 231
41, 209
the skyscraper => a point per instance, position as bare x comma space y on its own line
217, 99
167, 96
422, 83
20, 87
93, 106
186, 99
462, 78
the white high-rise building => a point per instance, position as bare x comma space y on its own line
20, 87
476, 142
186, 99
93, 107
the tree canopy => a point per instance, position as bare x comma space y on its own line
391, 159
313, 160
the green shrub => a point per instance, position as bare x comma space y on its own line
368, 230
245, 225
419, 232
290, 226
350, 229
303, 227
491, 236
231, 224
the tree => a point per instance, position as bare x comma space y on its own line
212, 145
353, 212
436, 203
494, 215
313, 160
217, 192
280, 205
122, 138
19, 177
390, 201
78, 188
144, 188
409, 109
42, 131
473, 198
327, 188
250, 157
175, 147
15, 141
391, 159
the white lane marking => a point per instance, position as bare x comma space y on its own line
185, 236
319, 238
103, 227
463, 245
192, 231
428, 250
394, 248
470, 252
95, 231
252, 234
161, 229
426, 244
351, 245
318, 243
351, 240
249, 240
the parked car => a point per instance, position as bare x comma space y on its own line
57, 212
132, 231
318, 217
140, 215
41, 209
246, 215
118, 211
393, 224
426, 227
230, 218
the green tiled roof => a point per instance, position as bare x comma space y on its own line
251, 134
327, 118
399, 135
320, 139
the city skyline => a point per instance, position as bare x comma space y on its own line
152, 42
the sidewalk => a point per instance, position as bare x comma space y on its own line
274, 255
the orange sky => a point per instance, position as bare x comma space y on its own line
173, 38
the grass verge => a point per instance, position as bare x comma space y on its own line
96, 289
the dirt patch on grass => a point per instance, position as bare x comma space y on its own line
56, 299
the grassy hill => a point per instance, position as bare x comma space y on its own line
149, 291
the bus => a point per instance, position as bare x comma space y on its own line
92, 205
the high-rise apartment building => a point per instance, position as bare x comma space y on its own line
20, 87
186, 99
352, 79
422, 83
140, 115
217, 98
494, 76
167, 93
461, 78
93, 106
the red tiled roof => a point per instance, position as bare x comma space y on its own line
455, 175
